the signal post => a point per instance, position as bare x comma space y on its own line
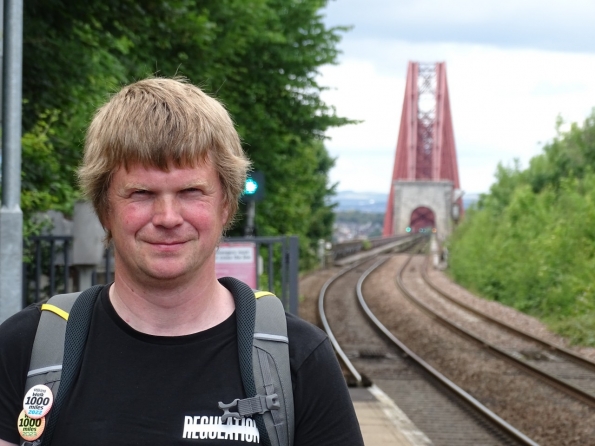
253, 192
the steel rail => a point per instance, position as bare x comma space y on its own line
549, 379
475, 404
564, 352
327, 327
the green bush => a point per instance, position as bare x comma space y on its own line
530, 242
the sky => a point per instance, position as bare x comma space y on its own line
512, 68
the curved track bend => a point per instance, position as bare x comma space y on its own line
443, 411
550, 394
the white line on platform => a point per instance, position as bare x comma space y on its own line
399, 419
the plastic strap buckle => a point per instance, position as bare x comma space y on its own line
250, 406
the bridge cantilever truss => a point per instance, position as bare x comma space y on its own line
425, 146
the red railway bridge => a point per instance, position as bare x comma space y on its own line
425, 190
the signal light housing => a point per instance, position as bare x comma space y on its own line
254, 187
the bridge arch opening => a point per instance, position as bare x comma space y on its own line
422, 219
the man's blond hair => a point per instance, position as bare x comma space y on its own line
158, 123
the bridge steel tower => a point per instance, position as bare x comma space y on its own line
425, 190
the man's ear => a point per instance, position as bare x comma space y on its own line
104, 222
225, 213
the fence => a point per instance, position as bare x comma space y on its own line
49, 269
280, 262
351, 247
48, 259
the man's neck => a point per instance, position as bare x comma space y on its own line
176, 311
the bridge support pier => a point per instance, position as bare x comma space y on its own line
425, 173
436, 196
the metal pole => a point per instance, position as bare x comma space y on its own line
250, 214
1, 63
257, 269
294, 258
270, 269
11, 216
284, 271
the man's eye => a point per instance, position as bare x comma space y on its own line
140, 192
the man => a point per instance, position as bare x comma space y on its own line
164, 169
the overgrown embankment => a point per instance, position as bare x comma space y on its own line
530, 242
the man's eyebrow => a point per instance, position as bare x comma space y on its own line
144, 186
195, 183
129, 186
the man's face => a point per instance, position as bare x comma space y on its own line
166, 225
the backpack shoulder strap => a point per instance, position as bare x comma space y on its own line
272, 374
264, 364
55, 358
47, 354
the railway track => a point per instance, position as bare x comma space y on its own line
444, 412
561, 391
555, 365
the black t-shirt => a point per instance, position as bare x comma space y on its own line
139, 389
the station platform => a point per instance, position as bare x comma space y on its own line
382, 422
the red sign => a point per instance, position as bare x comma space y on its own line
237, 260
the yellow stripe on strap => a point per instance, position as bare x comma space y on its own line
54, 309
259, 294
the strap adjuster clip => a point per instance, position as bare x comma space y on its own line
271, 402
226, 413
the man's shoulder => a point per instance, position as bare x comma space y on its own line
303, 330
20, 326
17, 334
304, 338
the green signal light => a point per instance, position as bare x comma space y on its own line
254, 187
408, 229
251, 187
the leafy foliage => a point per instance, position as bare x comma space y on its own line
530, 242
259, 57
41, 185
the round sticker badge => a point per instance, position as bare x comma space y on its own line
29, 428
38, 401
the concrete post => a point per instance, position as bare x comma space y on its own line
11, 216
434, 251
321, 252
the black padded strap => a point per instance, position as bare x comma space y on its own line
75, 339
246, 317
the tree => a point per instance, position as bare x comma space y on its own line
530, 242
259, 57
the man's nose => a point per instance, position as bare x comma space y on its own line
167, 212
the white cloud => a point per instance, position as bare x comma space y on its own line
362, 93
504, 105
544, 24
